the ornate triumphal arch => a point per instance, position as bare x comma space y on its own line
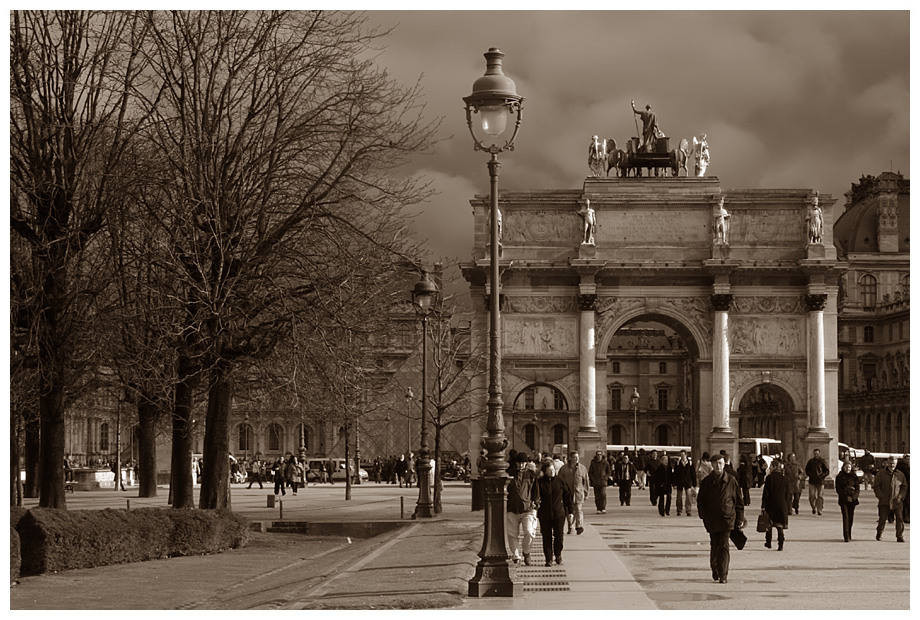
717, 305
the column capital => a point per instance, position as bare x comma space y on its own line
721, 302
815, 303
587, 302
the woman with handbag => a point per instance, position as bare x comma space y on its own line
847, 485
775, 504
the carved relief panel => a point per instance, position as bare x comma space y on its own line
767, 227
766, 336
546, 228
543, 336
542, 304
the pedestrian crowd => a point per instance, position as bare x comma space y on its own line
546, 492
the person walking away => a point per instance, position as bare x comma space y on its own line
555, 504
904, 468
290, 473
329, 471
641, 464
817, 470
598, 473
685, 481
650, 466
867, 465
775, 502
795, 476
574, 475
847, 487
401, 468
523, 499
760, 470
890, 488
278, 476
255, 473
624, 474
663, 483
721, 508
745, 478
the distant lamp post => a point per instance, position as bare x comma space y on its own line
495, 101
423, 296
634, 403
409, 397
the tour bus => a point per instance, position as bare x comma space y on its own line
760, 446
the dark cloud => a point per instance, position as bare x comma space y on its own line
798, 99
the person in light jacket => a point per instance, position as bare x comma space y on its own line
890, 488
523, 499
574, 475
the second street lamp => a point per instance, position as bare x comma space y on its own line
634, 403
423, 297
494, 99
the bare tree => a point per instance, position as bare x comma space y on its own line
278, 135
71, 75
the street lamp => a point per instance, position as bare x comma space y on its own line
422, 297
409, 397
634, 403
494, 99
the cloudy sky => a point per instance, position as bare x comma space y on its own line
787, 99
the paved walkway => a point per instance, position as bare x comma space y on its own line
628, 558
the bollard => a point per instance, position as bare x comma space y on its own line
129, 505
280, 509
402, 507
270, 501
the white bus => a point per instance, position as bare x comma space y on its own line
562, 449
760, 446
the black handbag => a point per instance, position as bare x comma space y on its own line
763, 522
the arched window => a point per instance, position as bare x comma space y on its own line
615, 368
662, 368
244, 438
104, 437
663, 435
868, 287
530, 437
616, 398
559, 434
615, 435
275, 436
540, 396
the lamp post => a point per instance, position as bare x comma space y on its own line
634, 403
494, 99
409, 397
422, 297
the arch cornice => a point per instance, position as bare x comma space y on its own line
691, 315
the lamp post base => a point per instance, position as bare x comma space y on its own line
494, 581
493, 574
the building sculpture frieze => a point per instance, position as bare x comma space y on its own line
540, 336
767, 305
757, 226
765, 336
553, 228
541, 304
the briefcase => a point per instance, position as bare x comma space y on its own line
763, 522
738, 538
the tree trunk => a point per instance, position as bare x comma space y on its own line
147, 414
347, 467
215, 477
436, 501
51, 465
180, 479
15, 477
32, 453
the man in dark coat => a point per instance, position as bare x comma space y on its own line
721, 508
775, 503
651, 465
624, 473
684, 480
890, 488
817, 470
555, 503
662, 484
598, 472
